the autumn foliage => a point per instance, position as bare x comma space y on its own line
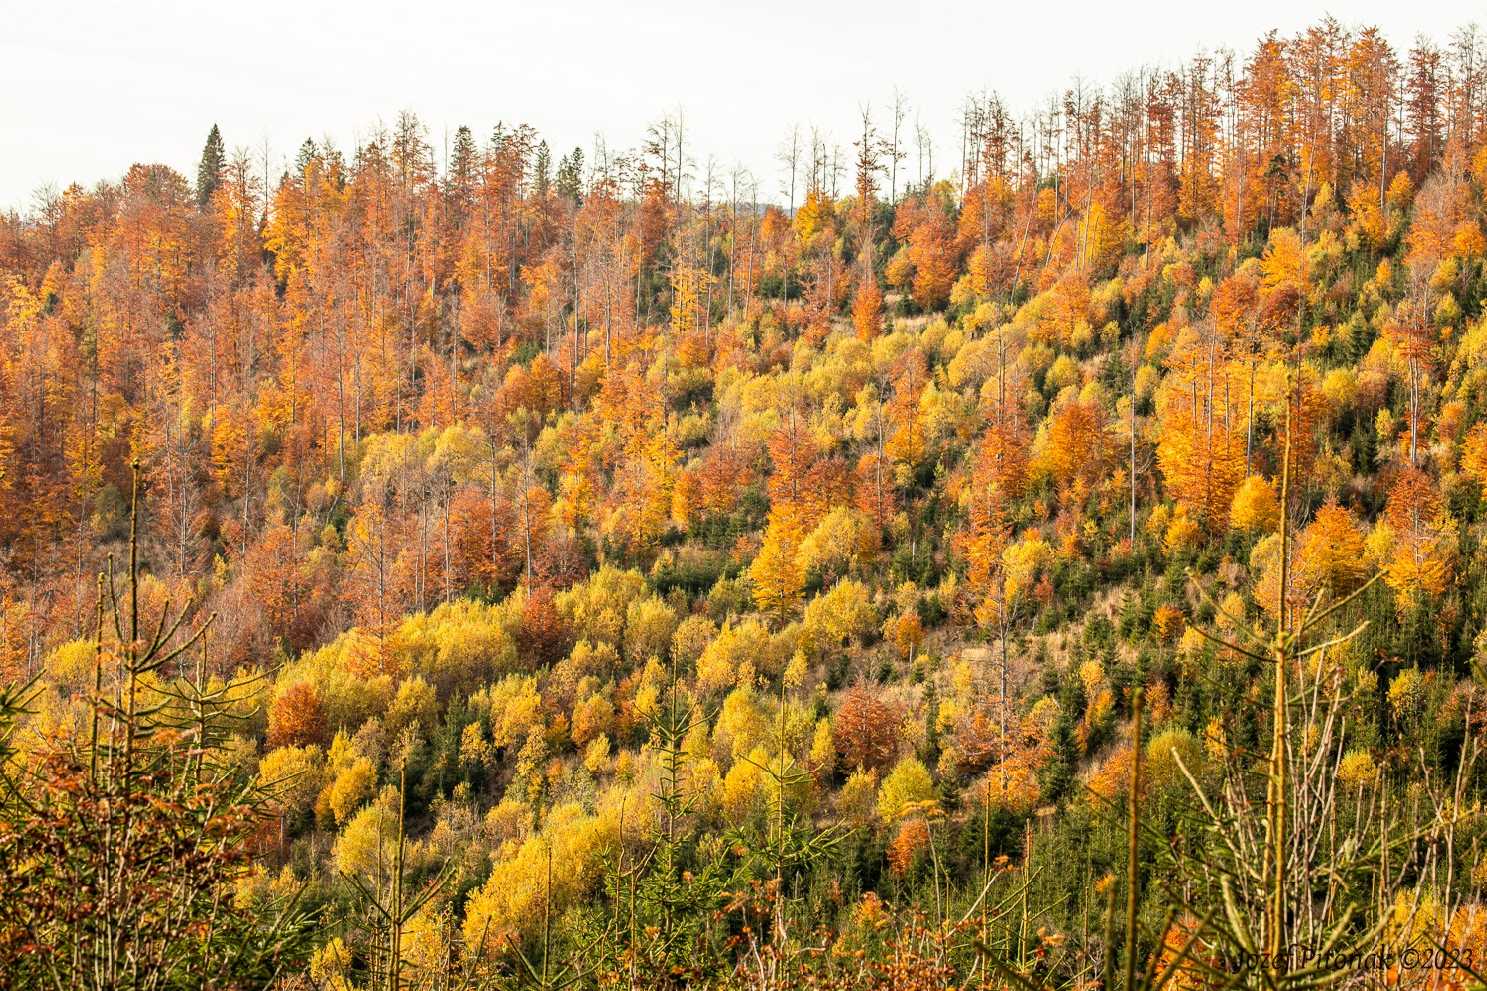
623, 572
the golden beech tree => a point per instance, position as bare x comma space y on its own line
1256, 509
1331, 552
1474, 454
776, 572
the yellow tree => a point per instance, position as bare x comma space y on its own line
776, 572
1331, 554
1474, 454
1202, 460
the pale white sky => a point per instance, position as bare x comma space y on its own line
89, 87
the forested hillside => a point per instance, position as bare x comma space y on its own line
1049, 555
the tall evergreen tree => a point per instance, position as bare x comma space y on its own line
213, 164
570, 175
542, 171
307, 154
463, 170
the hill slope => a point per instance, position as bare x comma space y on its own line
701, 591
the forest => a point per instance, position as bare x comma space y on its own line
1047, 556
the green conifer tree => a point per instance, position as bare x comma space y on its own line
213, 164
